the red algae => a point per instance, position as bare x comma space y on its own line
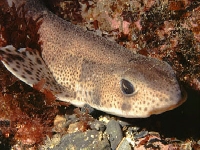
83, 116
30, 119
28, 116
50, 98
70, 10
18, 30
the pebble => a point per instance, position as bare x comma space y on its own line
198, 142
141, 134
124, 145
90, 140
97, 125
87, 109
114, 132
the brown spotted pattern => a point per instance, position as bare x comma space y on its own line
29, 67
91, 68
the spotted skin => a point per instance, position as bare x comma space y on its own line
28, 66
82, 68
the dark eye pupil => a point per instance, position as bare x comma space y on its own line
127, 87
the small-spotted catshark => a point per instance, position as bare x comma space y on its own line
82, 68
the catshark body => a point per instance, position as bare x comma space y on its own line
82, 68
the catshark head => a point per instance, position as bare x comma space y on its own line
142, 88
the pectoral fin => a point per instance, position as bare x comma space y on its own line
27, 65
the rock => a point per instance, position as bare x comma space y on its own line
124, 145
114, 132
89, 140
141, 134
97, 125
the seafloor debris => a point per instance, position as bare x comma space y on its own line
93, 139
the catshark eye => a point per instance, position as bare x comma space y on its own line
127, 87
